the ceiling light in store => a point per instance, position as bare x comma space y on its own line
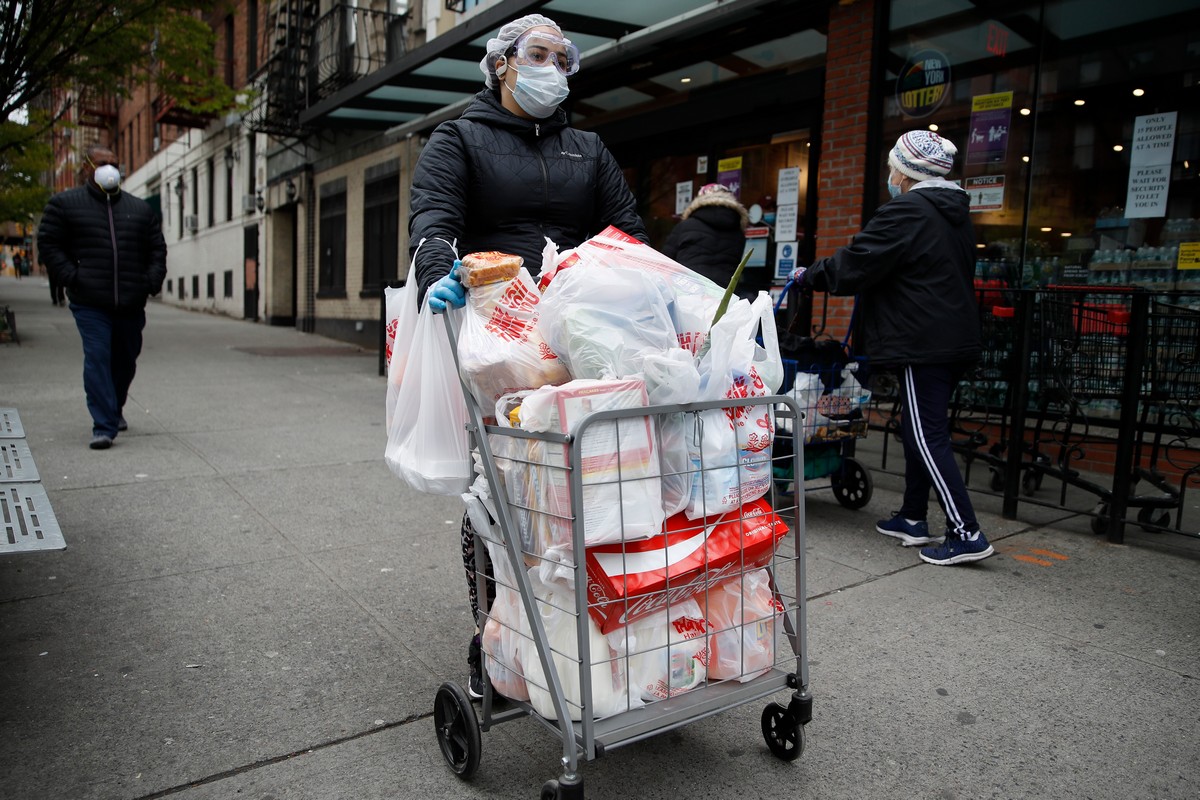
981, 245
1025, 112
1065, 234
685, 80
1080, 102
1025, 159
1047, 230
1138, 92
1118, 147
933, 126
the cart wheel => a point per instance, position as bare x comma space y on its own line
1100, 521
1031, 481
784, 735
1152, 522
852, 484
457, 729
550, 790
997, 483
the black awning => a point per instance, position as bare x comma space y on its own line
434, 83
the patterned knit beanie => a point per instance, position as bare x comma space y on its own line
922, 155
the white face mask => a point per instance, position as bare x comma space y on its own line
108, 177
540, 90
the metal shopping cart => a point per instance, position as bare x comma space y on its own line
560, 644
822, 377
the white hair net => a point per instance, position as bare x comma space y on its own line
507, 36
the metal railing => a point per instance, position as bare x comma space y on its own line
349, 43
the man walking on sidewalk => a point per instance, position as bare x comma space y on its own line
106, 248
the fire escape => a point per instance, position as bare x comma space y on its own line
280, 91
312, 56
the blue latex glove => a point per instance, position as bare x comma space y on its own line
448, 292
797, 276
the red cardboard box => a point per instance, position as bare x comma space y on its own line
671, 567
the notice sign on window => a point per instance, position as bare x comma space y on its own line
1189, 255
991, 114
683, 196
1150, 165
788, 186
986, 192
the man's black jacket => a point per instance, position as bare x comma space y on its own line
107, 250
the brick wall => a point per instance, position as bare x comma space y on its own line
844, 137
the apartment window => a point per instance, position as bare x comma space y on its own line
381, 229
196, 196
251, 38
181, 288
170, 286
211, 190
332, 277
211, 285
229, 183
229, 78
195, 286
179, 190
228, 283
251, 171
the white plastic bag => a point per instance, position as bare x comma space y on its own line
745, 616
428, 446
667, 651
499, 347
732, 447
400, 307
556, 605
604, 322
507, 628
672, 378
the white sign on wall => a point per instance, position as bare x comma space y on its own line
1150, 165
683, 196
788, 189
785, 223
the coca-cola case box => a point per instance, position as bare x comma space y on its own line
631, 580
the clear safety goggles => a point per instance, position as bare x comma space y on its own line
537, 49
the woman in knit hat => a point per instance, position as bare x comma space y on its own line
711, 237
913, 268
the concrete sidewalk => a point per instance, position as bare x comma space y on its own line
252, 606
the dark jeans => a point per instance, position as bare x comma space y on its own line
111, 344
925, 392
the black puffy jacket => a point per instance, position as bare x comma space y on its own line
107, 250
710, 238
913, 267
494, 181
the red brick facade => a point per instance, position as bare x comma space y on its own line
844, 136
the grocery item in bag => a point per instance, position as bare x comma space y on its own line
732, 453
632, 580
506, 629
694, 298
666, 652
610, 695
746, 620
622, 493
481, 269
499, 347
603, 323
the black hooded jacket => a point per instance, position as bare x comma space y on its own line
711, 237
494, 181
913, 267
107, 250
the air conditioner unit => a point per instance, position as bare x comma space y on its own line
191, 223
248, 203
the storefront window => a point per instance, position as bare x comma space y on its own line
1078, 129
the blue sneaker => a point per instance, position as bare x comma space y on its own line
958, 551
911, 534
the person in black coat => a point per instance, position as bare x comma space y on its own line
106, 248
506, 175
511, 172
913, 268
711, 237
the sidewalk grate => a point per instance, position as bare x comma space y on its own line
10, 424
16, 462
29, 522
